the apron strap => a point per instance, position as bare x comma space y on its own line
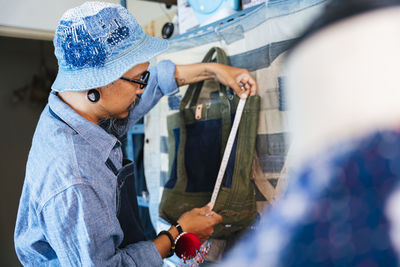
111, 166
127, 206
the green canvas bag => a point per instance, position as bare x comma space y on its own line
198, 134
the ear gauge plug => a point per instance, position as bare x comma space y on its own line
93, 95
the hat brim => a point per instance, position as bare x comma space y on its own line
89, 78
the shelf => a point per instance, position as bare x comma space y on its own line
173, 2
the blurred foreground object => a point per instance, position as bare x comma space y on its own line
343, 91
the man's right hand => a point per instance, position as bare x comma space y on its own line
200, 221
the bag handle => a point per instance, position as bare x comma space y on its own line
191, 95
221, 58
193, 91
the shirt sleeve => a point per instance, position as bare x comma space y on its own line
161, 82
80, 228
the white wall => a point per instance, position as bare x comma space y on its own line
35, 14
145, 11
20, 60
38, 19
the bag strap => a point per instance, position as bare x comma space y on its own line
191, 95
227, 104
220, 58
194, 90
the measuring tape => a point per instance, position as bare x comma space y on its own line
228, 150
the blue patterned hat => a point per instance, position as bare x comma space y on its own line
96, 43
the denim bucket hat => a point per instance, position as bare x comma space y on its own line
96, 43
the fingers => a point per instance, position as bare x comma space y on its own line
247, 83
200, 225
206, 234
247, 86
242, 78
204, 238
239, 79
243, 91
207, 207
205, 210
253, 86
217, 218
238, 90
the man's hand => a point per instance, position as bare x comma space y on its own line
232, 77
200, 221
240, 80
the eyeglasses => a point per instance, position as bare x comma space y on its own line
144, 78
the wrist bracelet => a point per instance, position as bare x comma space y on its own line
178, 227
171, 239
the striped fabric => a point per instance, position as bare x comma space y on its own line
256, 39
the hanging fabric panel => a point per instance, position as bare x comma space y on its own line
256, 39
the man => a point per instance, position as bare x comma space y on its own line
78, 206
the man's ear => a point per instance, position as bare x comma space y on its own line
139, 91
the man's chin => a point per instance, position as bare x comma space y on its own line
122, 115
116, 125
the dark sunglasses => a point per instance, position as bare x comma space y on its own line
144, 78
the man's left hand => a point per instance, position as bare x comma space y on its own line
240, 80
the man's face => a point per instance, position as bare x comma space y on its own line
119, 97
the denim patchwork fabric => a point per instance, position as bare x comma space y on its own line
282, 94
201, 178
266, 31
89, 43
295, 15
96, 43
174, 101
199, 146
202, 162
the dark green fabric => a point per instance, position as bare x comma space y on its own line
236, 203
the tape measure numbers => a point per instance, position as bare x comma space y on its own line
227, 152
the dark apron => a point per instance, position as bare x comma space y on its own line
127, 206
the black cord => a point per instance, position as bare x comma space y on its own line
171, 239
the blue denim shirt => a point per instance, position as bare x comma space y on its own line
67, 211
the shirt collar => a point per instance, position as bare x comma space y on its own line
91, 132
